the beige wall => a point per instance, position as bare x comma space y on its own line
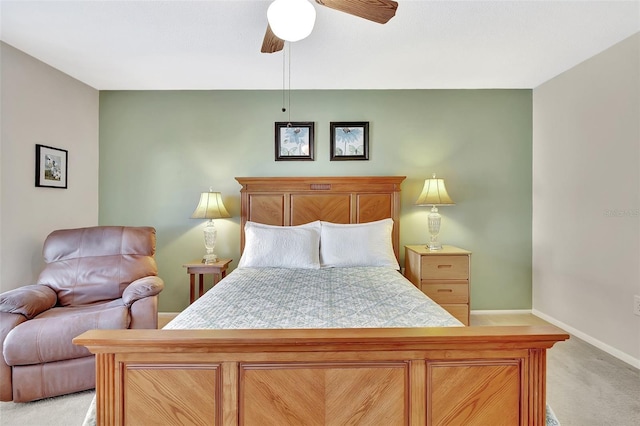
41, 105
586, 199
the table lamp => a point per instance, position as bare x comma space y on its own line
210, 207
434, 194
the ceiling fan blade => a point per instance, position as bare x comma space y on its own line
271, 42
379, 11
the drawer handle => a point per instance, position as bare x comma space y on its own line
444, 266
445, 290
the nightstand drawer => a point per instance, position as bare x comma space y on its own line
461, 312
444, 267
446, 293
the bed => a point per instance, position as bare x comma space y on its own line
290, 374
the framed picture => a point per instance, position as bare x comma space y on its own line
349, 140
294, 141
51, 167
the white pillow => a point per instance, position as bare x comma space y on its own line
357, 244
268, 246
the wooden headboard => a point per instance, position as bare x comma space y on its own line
285, 201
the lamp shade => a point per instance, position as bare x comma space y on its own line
291, 20
434, 193
210, 207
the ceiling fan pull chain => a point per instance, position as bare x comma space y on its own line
289, 51
284, 109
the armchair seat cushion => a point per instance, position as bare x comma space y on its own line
47, 337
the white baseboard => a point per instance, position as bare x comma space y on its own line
501, 312
591, 340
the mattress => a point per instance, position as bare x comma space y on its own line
272, 298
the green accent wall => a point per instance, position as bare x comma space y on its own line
160, 149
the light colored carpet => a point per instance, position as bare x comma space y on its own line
586, 386
67, 410
90, 417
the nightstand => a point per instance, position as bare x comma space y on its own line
443, 275
217, 269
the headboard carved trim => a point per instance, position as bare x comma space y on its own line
320, 186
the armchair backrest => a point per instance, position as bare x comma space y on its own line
87, 265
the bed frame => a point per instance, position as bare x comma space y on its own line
407, 376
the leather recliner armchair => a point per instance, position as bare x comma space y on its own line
102, 277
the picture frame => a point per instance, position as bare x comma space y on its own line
294, 141
349, 140
51, 167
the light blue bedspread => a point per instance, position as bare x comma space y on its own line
313, 298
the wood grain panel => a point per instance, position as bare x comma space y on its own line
372, 207
334, 208
324, 394
172, 394
370, 395
474, 393
267, 208
281, 396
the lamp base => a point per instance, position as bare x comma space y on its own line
208, 259
434, 219
434, 245
210, 234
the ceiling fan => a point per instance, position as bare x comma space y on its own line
379, 11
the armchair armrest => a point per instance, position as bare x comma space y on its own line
141, 288
30, 300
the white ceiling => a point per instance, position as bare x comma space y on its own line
215, 44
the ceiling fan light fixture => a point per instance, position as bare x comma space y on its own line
291, 20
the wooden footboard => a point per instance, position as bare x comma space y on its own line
413, 376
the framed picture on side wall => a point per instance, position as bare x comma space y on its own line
51, 167
294, 141
349, 140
